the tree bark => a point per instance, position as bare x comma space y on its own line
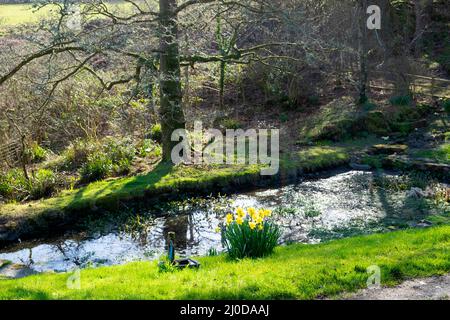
362, 54
171, 111
422, 10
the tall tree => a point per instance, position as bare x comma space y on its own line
171, 111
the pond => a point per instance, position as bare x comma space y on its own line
310, 211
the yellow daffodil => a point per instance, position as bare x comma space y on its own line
260, 227
217, 229
267, 213
239, 220
262, 213
252, 225
229, 218
251, 211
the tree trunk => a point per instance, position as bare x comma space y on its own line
362, 54
171, 111
422, 10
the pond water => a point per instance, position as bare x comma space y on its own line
310, 211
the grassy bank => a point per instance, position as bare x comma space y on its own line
165, 180
293, 272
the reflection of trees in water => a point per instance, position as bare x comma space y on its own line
74, 252
190, 229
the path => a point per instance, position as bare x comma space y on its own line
433, 288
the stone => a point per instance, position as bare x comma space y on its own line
360, 167
388, 149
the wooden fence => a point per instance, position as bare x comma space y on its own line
10, 153
430, 86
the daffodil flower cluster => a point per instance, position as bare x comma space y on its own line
255, 218
249, 233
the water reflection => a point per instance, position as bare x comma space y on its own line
308, 212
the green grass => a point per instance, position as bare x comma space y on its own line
440, 154
292, 272
162, 180
14, 15
17, 14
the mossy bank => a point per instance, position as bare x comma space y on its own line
50, 216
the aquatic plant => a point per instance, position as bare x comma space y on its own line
250, 233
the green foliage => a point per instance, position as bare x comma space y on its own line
15, 187
78, 152
164, 265
251, 235
97, 167
156, 133
401, 100
149, 149
100, 159
375, 161
297, 271
37, 153
230, 123
43, 184
440, 154
284, 117
446, 106
212, 252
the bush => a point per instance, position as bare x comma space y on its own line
37, 153
43, 184
14, 186
149, 149
446, 105
401, 100
98, 166
229, 123
156, 133
99, 160
77, 154
250, 234
121, 155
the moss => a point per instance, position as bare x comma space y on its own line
165, 181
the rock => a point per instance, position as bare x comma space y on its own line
388, 149
360, 167
416, 193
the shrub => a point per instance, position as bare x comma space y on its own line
446, 105
156, 133
77, 154
250, 234
14, 186
149, 149
37, 153
101, 159
401, 100
98, 166
43, 184
121, 154
229, 123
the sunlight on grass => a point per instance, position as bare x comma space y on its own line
292, 272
